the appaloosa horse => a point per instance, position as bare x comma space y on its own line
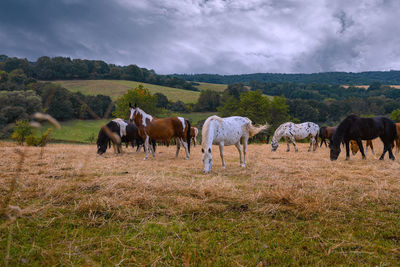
225, 132
356, 128
161, 129
291, 131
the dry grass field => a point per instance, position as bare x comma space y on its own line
70, 206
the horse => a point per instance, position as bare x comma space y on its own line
356, 128
326, 132
132, 137
111, 132
291, 131
193, 134
397, 140
226, 131
354, 147
161, 129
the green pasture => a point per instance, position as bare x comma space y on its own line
116, 88
211, 86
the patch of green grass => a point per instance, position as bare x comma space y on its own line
116, 88
211, 86
224, 239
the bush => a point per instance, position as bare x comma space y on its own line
41, 141
22, 129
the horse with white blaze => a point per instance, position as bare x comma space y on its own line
226, 131
291, 131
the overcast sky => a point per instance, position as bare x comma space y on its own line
208, 36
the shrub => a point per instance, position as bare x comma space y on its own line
41, 141
22, 129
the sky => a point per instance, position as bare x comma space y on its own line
208, 36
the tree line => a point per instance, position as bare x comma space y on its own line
65, 68
21, 96
337, 78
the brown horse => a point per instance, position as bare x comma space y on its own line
193, 134
397, 141
326, 132
354, 146
161, 129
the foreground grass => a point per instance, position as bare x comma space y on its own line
116, 88
78, 208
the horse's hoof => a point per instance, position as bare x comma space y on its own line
243, 165
186, 158
347, 158
380, 158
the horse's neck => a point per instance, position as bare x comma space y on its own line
208, 135
278, 134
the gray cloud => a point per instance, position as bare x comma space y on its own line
208, 36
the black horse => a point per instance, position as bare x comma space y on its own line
104, 137
356, 128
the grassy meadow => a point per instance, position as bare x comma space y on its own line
69, 206
116, 88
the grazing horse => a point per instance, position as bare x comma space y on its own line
161, 130
193, 134
398, 137
111, 132
356, 128
226, 131
354, 147
291, 131
326, 132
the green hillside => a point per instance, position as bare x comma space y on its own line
116, 88
211, 86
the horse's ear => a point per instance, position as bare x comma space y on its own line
130, 105
209, 150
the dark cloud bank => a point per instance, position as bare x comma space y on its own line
214, 36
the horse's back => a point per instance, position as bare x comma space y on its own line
228, 130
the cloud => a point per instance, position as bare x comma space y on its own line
208, 36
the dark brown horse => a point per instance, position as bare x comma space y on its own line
356, 128
326, 132
161, 129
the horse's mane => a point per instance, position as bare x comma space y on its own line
341, 129
144, 116
206, 125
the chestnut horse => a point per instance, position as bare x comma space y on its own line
193, 134
161, 130
326, 132
354, 147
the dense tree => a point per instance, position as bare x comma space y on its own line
162, 100
142, 97
208, 101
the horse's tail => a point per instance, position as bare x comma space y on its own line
255, 130
188, 137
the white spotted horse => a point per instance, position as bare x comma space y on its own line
291, 131
225, 132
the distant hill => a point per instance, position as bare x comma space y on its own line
116, 88
334, 78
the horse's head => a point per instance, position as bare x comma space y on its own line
335, 150
354, 147
274, 145
207, 159
132, 111
101, 146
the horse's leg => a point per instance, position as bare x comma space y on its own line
245, 140
221, 153
360, 146
347, 144
287, 143
185, 145
294, 143
322, 140
389, 149
146, 147
311, 143
239, 148
397, 145
178, 146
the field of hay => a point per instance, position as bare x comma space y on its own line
70, 206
